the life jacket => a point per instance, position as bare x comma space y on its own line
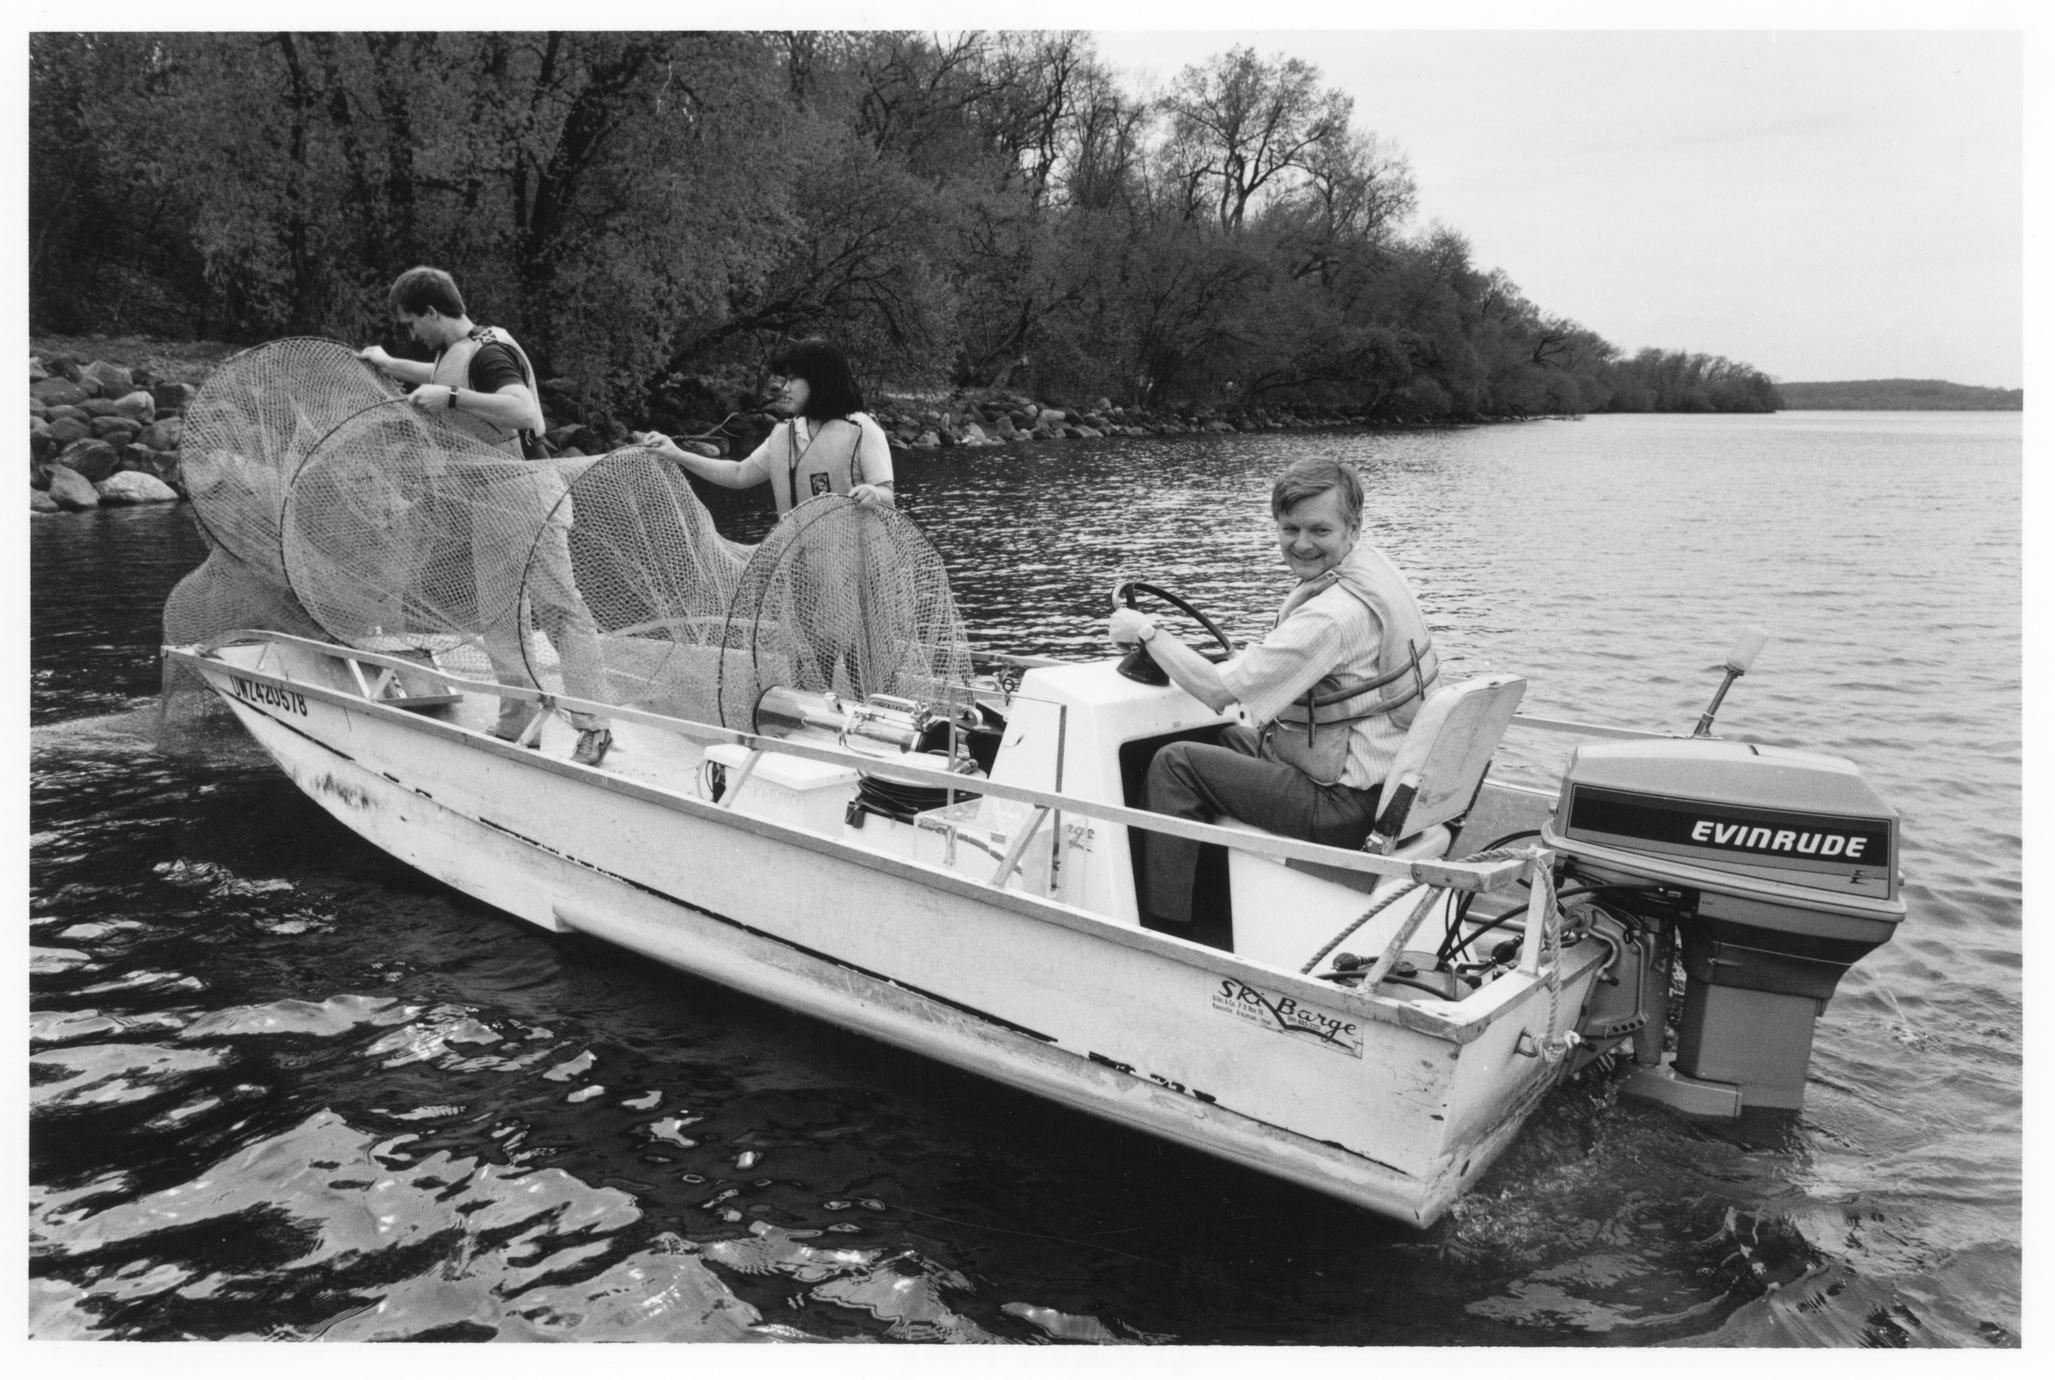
453, 368
1312, 734
810, 469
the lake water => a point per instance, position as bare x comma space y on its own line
283, 1087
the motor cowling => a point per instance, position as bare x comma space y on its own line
1772, 871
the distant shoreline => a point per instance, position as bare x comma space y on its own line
1898, 395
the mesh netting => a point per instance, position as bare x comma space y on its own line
252, 424
843, 597
218, 594
398, 531
638, 550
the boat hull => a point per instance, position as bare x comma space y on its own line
1374, 1102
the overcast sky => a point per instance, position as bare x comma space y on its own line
1821, 205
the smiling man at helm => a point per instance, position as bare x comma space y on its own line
1320, 731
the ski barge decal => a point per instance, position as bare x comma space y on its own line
1289, 1016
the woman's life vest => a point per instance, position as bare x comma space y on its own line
453, 369
808, 469
1313, 733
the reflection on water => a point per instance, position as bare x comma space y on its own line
283, 1087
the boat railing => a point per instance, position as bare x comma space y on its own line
1584, 730
1447, 874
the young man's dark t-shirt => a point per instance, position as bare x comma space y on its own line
494, 367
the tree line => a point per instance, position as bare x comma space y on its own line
983, 210
1901, 395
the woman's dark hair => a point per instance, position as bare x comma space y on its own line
831, 387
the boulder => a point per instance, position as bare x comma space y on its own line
40, 502
57, 389
1089, 433
171, 397
139, 404
161, 463
1051, 417
91, 458
161, 435
71, 490
131, 486
1007, 430
112, 378
116, 429
37, 370
974, 435
65, 430
927, 440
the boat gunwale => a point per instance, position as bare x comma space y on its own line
1454, 875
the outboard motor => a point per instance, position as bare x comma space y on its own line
1772, 869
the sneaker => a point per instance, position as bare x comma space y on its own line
514, 718
592, 745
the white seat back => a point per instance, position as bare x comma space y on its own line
1442, 761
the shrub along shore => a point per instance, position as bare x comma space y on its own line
104, 431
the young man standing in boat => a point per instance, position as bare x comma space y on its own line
481, 381
1326, 696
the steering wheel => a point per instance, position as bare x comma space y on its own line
1138, 665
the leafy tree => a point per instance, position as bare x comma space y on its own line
1238, 122
977, 208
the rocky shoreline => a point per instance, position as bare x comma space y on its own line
107, 433
101, 433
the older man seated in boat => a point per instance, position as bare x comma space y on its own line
1326, 697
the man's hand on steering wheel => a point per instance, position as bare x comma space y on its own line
1129, 627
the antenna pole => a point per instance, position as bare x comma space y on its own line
1739, 659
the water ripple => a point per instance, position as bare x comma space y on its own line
284, 1088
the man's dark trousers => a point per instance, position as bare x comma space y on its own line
1200, 781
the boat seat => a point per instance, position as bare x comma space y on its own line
1441, 764
1285, 909
401, 689
1434, 778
